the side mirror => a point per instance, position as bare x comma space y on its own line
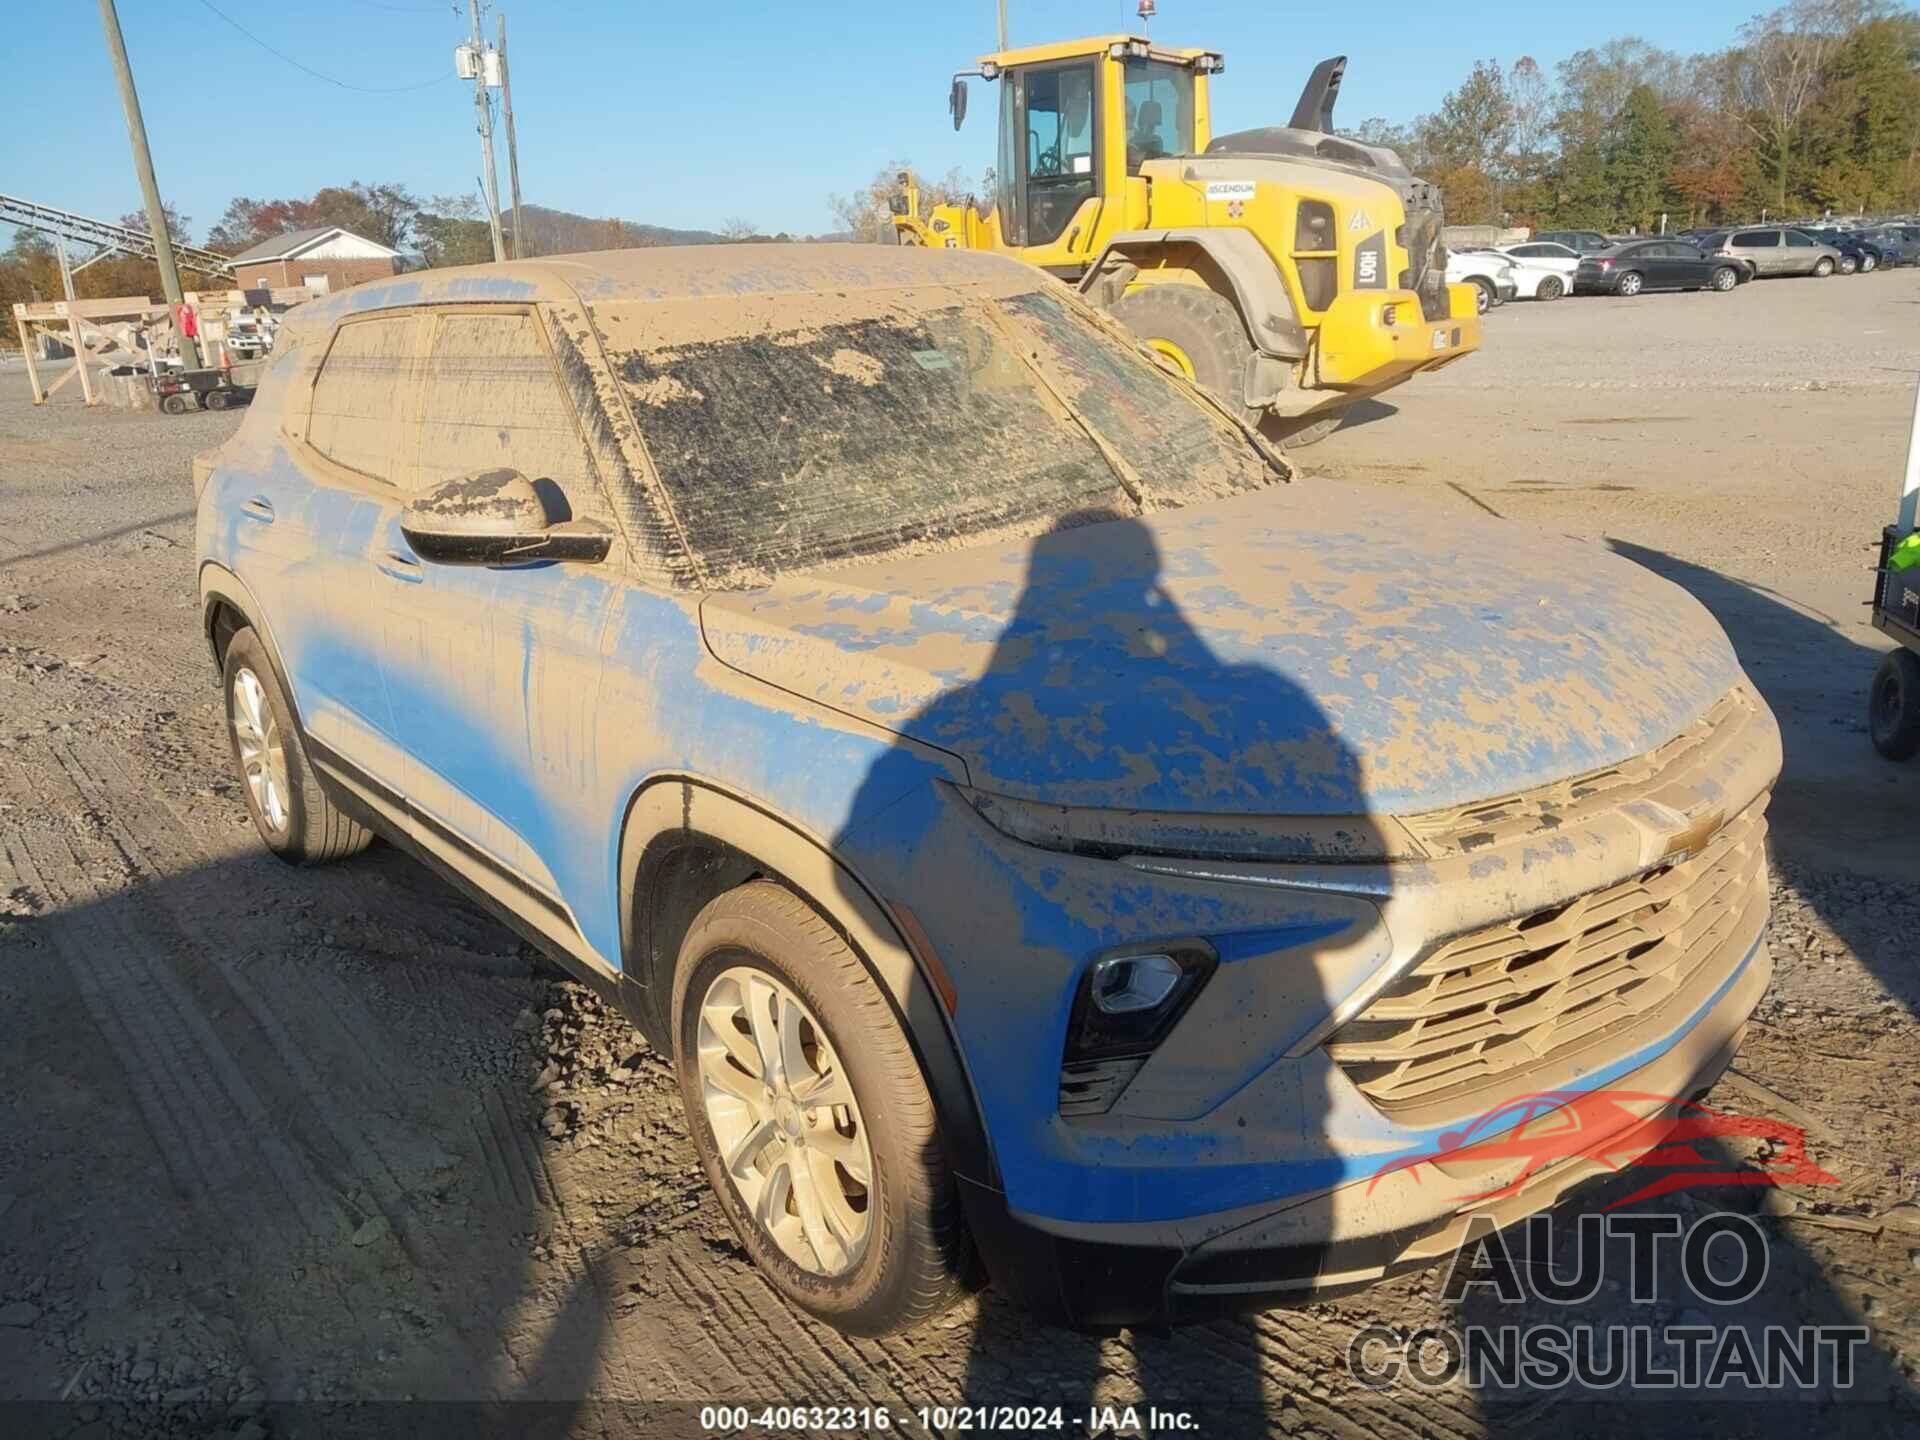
957, 101
496, 517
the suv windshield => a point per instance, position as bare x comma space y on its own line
793, 436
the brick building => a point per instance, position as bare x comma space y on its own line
322, 260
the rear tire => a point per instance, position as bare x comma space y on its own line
1199, 331
1629, 284
1848, 264
760, 952
1868, 264
1822, 268
1893, 709
174, 404
297, 820
1484, 296
1551, 288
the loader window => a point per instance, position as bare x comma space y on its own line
1159, 111
1059, 150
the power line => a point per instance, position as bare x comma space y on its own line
309, 70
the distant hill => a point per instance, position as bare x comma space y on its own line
560, 232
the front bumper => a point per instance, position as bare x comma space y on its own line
1345, 1238
1370, 339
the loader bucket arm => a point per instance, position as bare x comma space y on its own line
1315, 110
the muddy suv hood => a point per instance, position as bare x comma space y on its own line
1301, 651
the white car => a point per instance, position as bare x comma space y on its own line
1488, 271
1543, 269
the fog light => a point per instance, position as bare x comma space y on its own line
1125, 984
1125, 1003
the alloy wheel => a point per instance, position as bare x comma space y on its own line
785, 1123
263, 755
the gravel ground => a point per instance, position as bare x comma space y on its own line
278, 1148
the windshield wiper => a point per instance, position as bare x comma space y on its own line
1128, 477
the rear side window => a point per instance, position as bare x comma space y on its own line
1794, 237
357, 391
1757, 239
490, 400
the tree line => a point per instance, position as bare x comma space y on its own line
1814, 108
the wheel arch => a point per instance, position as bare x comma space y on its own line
1253, 280
226, 607
684, 841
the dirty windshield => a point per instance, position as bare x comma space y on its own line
871, 422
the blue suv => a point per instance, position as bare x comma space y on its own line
1053, 844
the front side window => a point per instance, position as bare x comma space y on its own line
891, 421
1159, 111
357, 393
1059, 150
490, 400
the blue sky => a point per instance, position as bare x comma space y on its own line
679, 114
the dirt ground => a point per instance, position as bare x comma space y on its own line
280, 1150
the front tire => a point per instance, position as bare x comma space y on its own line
1848, 264
812, 1118
1629, 284
296, 819
1893, 710
1484, 298
1868, 264
1822, 268
1199, 331
1724, 279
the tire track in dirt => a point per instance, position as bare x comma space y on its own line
340, 1156
123, 969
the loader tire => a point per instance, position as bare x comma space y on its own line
1199, 331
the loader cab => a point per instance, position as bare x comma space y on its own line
1077, 122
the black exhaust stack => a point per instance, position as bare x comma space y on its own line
1315, 110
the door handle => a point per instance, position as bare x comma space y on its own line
400, 566
258, 508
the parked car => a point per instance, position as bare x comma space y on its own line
1857, 256
1775, 251
1899, 244
1489, 272
1653, 265
1713, 242
967, 759
1542, 269
1587, 242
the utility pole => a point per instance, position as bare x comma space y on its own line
483, 113
1003, 24
149, 187
513, 150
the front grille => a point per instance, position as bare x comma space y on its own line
1513, 1004
1474, 826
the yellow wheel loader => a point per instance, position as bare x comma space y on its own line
1289, 270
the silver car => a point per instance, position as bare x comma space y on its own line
1780, 251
